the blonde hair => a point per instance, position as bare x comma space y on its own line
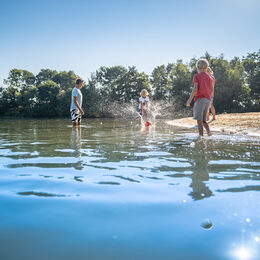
210, 71
144, 91
202, 64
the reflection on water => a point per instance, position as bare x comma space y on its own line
200, 173
75, 142
40, 194
111, 187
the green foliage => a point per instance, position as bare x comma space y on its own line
48, 94
180, 82
251, 64
160, 82
45, 75
231, 91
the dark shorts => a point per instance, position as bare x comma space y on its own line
201, 108
75, 116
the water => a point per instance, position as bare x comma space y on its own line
116, 190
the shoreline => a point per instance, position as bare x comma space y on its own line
237, 123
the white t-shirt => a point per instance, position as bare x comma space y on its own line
76, 93
143, 100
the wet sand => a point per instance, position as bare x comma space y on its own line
240, 123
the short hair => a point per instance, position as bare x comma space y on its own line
78, 81
202, 64
144, 91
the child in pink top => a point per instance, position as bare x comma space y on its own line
203, 90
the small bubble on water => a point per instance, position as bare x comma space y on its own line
257, 239
235, 214
206, 224
247, 220
184, 201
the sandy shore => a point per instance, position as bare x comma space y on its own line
244, 123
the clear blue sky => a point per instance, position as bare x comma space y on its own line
82, 35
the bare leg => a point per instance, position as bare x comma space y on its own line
210, 108
213, 111
140, 119
200, 127
145, 116
206, 126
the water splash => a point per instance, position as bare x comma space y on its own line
157, 109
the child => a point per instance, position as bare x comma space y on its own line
76, 103
212, 108
143, 104
203, 90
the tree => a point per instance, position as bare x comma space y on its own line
231, 92
45, 75
127, 88
160, 83
17, 83
66, 79
92, 97
47, 99
251, 64
180, 82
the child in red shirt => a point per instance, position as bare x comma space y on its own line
203, 90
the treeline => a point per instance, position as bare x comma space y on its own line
48, 94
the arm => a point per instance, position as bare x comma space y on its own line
213, 87
77, 105
193, 93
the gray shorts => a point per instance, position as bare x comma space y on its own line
200, 109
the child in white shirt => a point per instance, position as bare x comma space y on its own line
143, 104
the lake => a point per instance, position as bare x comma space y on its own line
115, 190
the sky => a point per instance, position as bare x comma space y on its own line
82, 35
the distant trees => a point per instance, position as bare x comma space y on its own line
48, 94
251, 64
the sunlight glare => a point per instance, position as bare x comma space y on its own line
242, 253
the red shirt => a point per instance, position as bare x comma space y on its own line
205, 85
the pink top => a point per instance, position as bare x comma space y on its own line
205, 85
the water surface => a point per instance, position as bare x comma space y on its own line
114, 190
